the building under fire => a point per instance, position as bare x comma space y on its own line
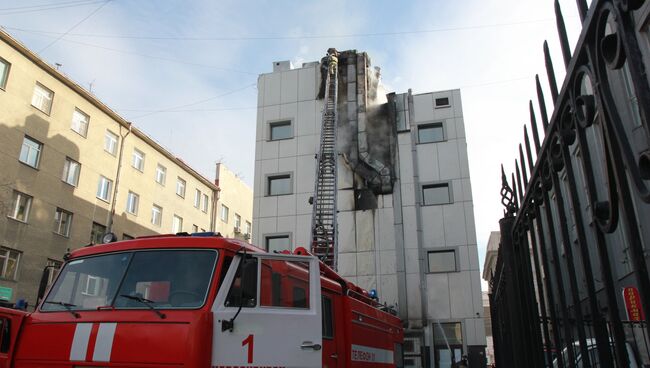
403, 195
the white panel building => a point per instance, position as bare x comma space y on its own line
406, 220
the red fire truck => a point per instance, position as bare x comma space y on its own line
199, 300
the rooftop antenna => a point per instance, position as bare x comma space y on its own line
58, 65
90, 86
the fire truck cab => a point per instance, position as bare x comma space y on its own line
199, 300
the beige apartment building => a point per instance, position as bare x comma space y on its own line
72, 170
234, 206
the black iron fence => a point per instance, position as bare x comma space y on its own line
571, 285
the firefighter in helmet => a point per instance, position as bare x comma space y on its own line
332, 60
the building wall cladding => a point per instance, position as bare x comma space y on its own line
384, 248
35, 238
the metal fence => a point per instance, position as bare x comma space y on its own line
575, 231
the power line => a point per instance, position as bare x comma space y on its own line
281, 37
75, 26
137, 53
38, 8
170, 109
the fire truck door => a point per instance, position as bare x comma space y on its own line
268, 313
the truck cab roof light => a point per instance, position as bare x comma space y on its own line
207, 233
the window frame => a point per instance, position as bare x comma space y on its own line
197, 198
181, 183
445, 250
58, 217
114, 140
4, 77
66, 171
50, 99
92, 232
177, 219
163, 177
5, 255
276, 176
441, 106
100, 186
268, 237
77, 111
135, 203
153, 217
15, 201
437, 184
224, 209
39, 152
432, 125
277, 124
205, 203
137, 160
237, 221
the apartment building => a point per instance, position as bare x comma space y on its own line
71, 170
234, 206
404, 200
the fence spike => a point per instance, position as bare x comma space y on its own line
542, 104
515, 190
520, 190
524, 171
582, 9
561, 30
533, 125
550, 72
529, 153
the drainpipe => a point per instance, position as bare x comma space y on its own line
109, 226
215, 200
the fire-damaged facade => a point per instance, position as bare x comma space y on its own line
405, 220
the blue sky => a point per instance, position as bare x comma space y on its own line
185, 71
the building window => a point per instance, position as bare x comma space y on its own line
161, 174
442, 102
9, 262
277, 243
53, 268
30, 152
62, 222
197, 198
279, 185
97, 233
195, 229
42, 98
223, 215
280, 130
92, 286
206, 203
180, 187
248, 228
132, 202
71, 170
104, 188
442, 261
110, 142
4, 72
126, 236
177, 224
433, 194
80, 122
156, 215
138, 160
22, 203
447, 343
237, 223
429, 133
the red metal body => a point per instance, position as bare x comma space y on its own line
362, 332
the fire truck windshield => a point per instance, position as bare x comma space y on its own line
167, 279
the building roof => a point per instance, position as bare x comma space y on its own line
491, 255
22, 49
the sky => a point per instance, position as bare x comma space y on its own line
185, 72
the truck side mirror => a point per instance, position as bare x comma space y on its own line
42, 286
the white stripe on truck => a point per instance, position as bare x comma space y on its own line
104, 344
80, 341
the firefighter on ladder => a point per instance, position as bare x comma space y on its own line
332, 60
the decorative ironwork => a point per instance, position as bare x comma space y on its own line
578, 206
